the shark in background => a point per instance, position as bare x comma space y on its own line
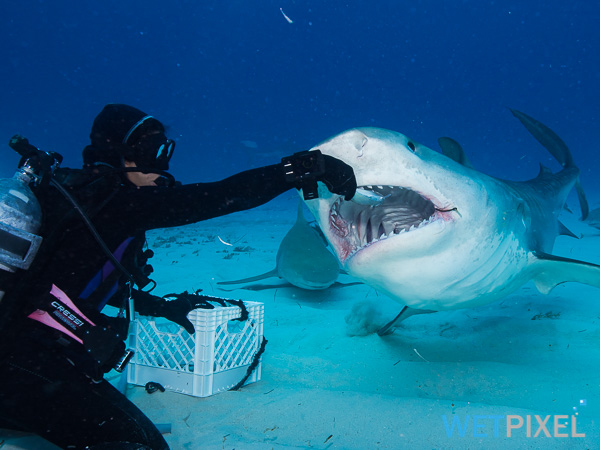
303, 259
433, 233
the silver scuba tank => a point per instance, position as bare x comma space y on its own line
20, 220
20, 211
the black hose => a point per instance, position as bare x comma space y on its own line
96, 235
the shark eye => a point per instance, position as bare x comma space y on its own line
411, 146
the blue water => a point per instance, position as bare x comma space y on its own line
239, 86
221, 72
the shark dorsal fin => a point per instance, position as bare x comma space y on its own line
454, 151
300, 216
544, 170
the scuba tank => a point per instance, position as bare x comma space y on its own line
20, 212
20, 223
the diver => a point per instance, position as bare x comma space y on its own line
57, 344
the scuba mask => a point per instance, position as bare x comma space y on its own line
152, 149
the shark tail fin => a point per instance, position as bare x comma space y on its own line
269, 274
557, 147
548, 138
550, 271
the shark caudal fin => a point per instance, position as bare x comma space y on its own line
557, 147
550, 271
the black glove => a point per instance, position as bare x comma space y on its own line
175, 310
304, 169
338, 177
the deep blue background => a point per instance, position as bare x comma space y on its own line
221, 72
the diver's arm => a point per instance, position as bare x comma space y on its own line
160, 207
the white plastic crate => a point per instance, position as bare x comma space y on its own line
214, 359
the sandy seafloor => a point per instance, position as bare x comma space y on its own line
321, 387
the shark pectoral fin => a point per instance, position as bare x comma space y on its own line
583, 203
269, 274
404, 314
564, 231
550, 271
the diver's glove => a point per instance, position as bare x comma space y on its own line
175, 310
304, 169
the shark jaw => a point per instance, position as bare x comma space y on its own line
402, 213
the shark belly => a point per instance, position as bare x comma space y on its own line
474, 273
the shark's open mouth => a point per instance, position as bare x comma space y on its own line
401, 211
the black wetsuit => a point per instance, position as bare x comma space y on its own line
49, 385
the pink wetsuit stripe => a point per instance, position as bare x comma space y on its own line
67, 301
46, 319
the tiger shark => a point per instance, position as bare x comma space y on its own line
435, 234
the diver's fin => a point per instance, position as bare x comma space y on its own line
269, 274
405, 313
550, 271
453, 150
564, 231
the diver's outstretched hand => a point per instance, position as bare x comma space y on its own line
339, 177
304, 169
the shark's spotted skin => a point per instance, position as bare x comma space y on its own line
433, 233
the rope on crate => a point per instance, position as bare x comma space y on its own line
252, 366
241, 305
203, 301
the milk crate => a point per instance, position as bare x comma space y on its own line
212, 360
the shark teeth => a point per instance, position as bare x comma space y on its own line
401, 211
